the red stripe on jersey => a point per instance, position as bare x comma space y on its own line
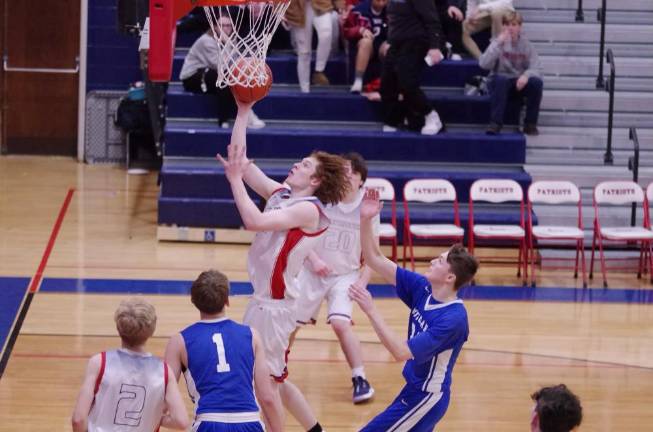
165, 377
98, 380
277, 284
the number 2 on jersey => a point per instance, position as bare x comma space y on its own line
223, 366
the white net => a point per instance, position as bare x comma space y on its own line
243, 34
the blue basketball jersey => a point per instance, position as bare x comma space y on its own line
436, 333
220, 372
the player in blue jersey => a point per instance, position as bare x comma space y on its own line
437, 328
223, 363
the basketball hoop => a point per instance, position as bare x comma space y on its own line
242, 29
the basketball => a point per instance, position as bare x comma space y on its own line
253, 72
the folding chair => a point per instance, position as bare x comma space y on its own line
430, 191
554, 193
620, 193
387, 231
499, 191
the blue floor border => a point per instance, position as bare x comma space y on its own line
12, 292
477, 292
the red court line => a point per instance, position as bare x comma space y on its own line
36, 280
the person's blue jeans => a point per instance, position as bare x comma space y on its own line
502, 89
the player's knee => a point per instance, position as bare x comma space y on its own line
340, 326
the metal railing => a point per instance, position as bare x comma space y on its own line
633, 165
600, 15
579, 12
609, 87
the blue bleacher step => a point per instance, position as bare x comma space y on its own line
448, 73
333, 104
222, 213
204, 177
291, 141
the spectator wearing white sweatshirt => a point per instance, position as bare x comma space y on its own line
482, 14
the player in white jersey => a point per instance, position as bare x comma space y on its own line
286, 231
128, 389
333, 267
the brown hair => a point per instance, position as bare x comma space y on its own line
462, 264
135, 321
512, 17
558, 409
330, 170
210, 292
358, 164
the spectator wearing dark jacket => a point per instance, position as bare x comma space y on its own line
451, 14
414, 34
367, 26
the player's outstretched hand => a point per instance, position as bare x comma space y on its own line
236, 163
362, 296
370, 206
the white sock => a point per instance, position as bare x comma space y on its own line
358, 372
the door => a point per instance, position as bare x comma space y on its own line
40, 45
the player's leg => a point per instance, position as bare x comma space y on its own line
297, 405
339, 316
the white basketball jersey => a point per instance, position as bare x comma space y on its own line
340, 246
276, 257
129, 393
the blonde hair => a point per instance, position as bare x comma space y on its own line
135, 321
512, 17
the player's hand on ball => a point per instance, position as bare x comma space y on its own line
370, 206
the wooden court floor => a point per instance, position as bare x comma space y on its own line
602, 351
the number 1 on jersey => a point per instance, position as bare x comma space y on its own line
223, 366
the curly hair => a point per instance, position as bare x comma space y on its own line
558, 409
210, 292
135, 321
330, 170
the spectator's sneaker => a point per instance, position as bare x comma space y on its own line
363, 391
253, 122
357, 86
224, 125
531, 129
320, 79
432, 123
388, 128
493, 129
456, 57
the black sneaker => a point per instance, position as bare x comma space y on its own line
493, 129
531, 129
363, 391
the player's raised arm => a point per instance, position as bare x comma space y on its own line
253, 176
374, 258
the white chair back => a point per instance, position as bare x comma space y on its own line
496, 190
618, 192
553, 192
383, 186
649, 192
429, 190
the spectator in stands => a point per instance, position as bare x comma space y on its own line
199, 74
482, 14
556, 409
451, 13
366, 25
301, 17
515, 73
414, 35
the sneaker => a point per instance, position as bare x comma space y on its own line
493, 129
388, 128
432, 124
363, 391
320, 79
357, 86
531, 129
224, 125
253, 122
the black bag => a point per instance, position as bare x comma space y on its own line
133, 115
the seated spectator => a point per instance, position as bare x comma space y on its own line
515, 73
451, 14
301, 17
482, 14
199, 74
367, 26
556, 409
